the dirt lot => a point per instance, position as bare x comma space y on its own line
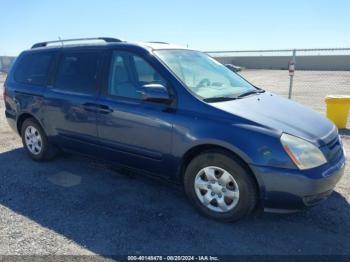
72, 205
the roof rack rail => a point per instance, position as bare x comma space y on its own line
158, 42
106, 39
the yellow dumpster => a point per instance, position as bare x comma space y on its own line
338, 107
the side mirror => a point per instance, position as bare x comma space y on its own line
234, 68
155, 93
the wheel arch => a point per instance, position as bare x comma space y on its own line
199, 149
22, 118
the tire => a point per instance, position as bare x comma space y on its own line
35, 141
228, 197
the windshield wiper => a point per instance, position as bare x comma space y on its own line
228, 98
257, 91
219, 99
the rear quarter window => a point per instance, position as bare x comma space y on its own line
33, 68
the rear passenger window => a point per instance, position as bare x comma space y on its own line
33, 68
77, 72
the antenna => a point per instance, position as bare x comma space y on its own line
59, 39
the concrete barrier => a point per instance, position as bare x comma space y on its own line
5, 63
319, 63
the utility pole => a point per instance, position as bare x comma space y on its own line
291, 69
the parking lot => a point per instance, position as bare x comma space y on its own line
74, 205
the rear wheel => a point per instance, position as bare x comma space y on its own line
35, 141
219, 186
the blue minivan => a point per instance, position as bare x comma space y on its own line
178, 114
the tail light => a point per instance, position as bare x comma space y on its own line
4, 93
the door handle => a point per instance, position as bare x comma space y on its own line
105, 109
90, 107
97, 108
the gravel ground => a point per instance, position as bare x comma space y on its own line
73, 205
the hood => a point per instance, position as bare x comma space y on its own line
283, 115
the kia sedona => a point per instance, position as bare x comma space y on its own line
175, 113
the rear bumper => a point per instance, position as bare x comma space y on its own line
286, 190
11, 120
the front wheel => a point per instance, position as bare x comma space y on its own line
220, 187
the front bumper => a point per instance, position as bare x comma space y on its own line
286, 190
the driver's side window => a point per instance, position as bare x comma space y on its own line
145, 72
129, 73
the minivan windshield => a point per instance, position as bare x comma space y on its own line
204, 76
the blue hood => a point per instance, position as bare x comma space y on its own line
283, 115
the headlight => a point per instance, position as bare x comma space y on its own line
304, 154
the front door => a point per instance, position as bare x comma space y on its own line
134, 132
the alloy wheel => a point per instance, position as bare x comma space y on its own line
33, 140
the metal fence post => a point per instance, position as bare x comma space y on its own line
291, 77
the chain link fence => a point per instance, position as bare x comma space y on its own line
318, 72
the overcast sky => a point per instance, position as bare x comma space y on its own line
203, 25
